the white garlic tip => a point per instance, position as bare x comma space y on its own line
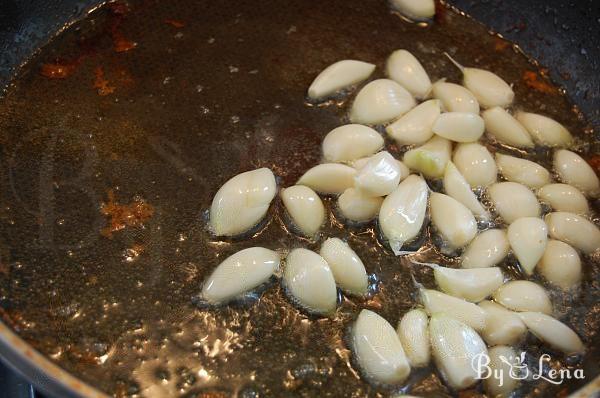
379, 176
501, 386
457, 187
430, 158
415, 9
489, 88
502, 326
309, 280
487, 249
544, 130
575, 230
415, 127
560, 265
454, 222
574, 170
406, 70
403, 211
242, 202
414, 335
470, 284
378, 350
513, 201
350, 142
348, 269
356, 206
522, 171
465, 311
528, 237
305, 208
505, 128
564, 197
454, 346
380, 101
240, 273
459, 126
455, 98
476, 164
338, 76
523, 296
328, 178
553, 332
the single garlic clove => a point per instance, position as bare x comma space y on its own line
415, 9
489, 88
329, 178
574, 170
350, 142
415, 127
505, 128
560, 265
455, 98
240, 273
380, 176
476, 164
564, 197
502, 326
513, 201
407, 71
575, 230
242, 202
414, 335
501, 383
356, 206
380, 101
455, 346
338, 76
528, 237
453, 220
348, 269
523, 296
360, 163
378, 350
309, 281
487, 249
305, 208
544, 130
430, 158
522, 171
459, 126
457, 187
465, 311
403, 211
553, 332
470, 284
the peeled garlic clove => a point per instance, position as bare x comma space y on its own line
415, 9
470, 284
523, 296
489, 89
502, 326
381, 101
239, 274
348, 269
455, 98
329, 178
242, 202
560, 265
414, 336
522, 171
457, 187
487, 249
309, 280
455, 345
553, 332
513, 201
403, 211
574, 170
476, 164
356, 206
466, 312
453, 220
378, 350
405, 69
545, 131
339, 75
575, 230
505, 128
380, 176
430, 158
305, 208
459, 126
564, 197
528, 237
415, 127
351, 142
500, 384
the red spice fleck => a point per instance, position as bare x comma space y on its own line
532, 80
102, 84
4, 269
175, 23
594, 161
120, 42
13, 319
122, 216
440, 12
500, 44
58, 69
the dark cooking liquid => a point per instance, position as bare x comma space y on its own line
161, 104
